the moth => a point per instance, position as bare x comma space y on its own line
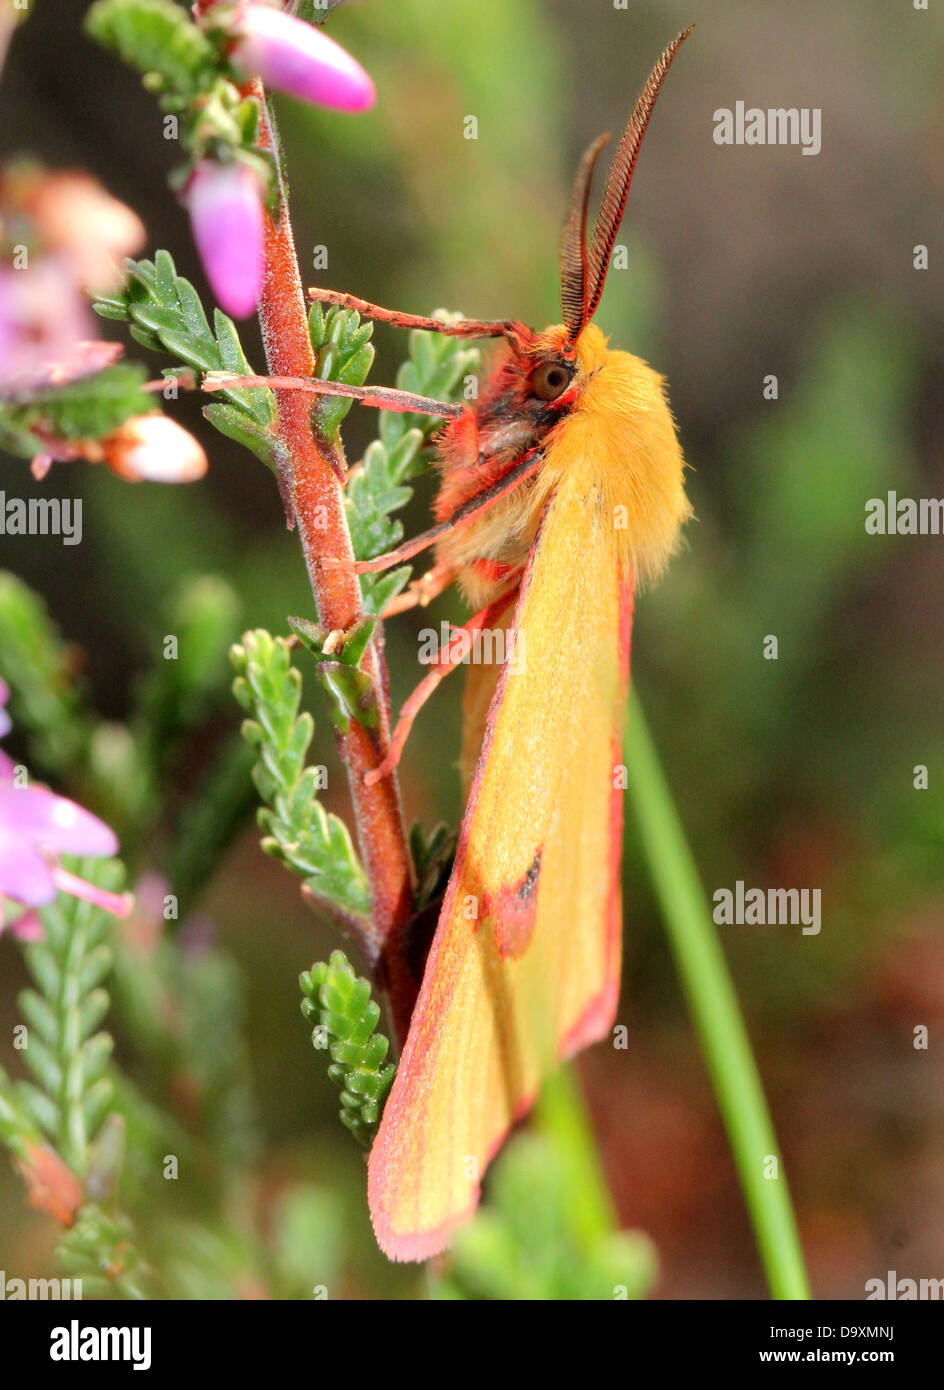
561, 491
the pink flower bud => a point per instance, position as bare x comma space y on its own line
294, 57
43, 316
154, 449
225, 203
77, 218
36, 828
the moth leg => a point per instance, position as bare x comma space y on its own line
465, 328
381, 397
448, 661
403, 552
474, 507
423, 590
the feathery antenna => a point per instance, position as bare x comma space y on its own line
573, 243
583, 268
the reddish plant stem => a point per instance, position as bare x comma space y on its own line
317, 504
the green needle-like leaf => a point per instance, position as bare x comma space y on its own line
165, 314
345, 1017
309, 840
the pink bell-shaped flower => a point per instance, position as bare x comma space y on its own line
294, 57
225, 204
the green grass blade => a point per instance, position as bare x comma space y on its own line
708, 987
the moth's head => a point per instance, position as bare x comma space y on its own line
619, 439
555, 369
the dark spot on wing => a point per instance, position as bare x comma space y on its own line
513, 911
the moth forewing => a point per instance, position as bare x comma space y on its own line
524, 967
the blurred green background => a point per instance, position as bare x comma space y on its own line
742, 262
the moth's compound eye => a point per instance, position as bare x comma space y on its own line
550, 381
